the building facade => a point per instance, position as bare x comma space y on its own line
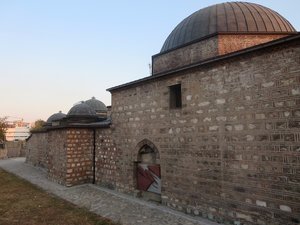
214, 132
17, 130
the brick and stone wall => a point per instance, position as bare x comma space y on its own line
79, 152
57, 155
228, 43
65, 153
231, 153
70, 155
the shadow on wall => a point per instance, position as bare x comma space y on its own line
12, 149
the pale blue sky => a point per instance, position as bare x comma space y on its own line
55, 53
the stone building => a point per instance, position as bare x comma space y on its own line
213, 132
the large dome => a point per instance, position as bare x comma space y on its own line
230, 17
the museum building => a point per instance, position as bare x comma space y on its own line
213, 132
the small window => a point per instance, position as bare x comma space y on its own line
175, 96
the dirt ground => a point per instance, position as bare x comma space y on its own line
26, 204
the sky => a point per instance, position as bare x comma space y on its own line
55, 53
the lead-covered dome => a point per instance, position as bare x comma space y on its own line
97, 105
56, 116
81, 109
230, 17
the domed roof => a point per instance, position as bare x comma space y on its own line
56, 116
236, 17
96, 105
81, 109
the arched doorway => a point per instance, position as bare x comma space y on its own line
148, 174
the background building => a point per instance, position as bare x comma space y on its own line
17, 130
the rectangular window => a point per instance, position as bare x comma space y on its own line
175, 96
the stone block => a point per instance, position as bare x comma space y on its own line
261, 203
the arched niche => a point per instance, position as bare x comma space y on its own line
148, 174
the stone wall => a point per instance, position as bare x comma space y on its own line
37, 150
186, 55
107, 156
231, 153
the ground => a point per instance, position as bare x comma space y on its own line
23, 203
120, 208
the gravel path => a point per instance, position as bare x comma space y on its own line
113, 205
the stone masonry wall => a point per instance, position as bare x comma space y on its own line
37, 150
231, 153
184, 56
79, 153
107, 156
231, 43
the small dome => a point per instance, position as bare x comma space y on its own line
229, 17
81, 109
56, 116
96, 105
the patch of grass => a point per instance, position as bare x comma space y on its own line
23, 203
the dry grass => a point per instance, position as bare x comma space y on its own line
26, 204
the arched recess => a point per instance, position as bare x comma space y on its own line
146, 146
148, 174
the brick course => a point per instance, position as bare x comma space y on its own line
230, 43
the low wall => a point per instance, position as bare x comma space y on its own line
13, 149
65, 153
